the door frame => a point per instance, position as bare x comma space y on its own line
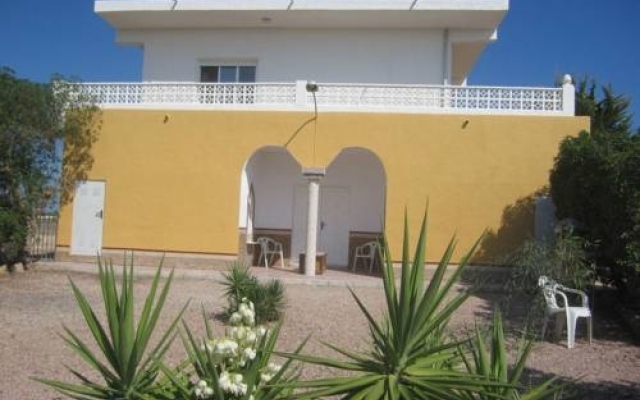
76, 222
298, 233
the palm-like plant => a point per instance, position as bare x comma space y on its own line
411, 358
268, 298
127, 369
491, 363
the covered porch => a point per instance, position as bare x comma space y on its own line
274, 203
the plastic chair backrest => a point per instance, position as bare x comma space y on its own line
548, 287
369, 249
268, 244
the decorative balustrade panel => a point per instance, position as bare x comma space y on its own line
381, 96
506, 99
140, 94
452, 98
333, 96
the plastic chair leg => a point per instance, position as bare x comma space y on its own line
572, 320
544, 326
559, 324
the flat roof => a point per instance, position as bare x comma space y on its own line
180, 14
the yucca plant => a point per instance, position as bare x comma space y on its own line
236, 366
491, 362
238, 283
411, 356
269, 301
127, 369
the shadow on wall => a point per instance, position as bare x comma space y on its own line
82, 128
517, 225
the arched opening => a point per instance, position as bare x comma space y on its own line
351, 210
268, 180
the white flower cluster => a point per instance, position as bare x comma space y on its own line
246, 314
232, 353
222, 347
269, 371
232, 383
202, 390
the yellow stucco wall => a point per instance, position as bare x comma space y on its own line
173, 177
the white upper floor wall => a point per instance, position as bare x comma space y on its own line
282, 55
341, 41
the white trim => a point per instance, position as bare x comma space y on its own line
468, 14
246, 5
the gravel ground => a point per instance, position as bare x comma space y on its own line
34, 305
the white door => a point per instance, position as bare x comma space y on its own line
88, 212
333, 224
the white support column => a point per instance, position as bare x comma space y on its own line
568, 96
301, 93
446, 58
313, 175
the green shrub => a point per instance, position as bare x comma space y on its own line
238, 283
270, 301
13, 236
412, 356
565, 261
127, 369
595, 181
269, 298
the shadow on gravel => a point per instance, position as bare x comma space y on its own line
522, 311
603, 390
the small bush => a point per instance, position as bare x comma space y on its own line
13, 237
268, 298
565, 261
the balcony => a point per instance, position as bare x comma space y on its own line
335, 97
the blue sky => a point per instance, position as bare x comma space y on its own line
538, 41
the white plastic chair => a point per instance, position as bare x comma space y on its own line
268, 249
553, 291
367, 252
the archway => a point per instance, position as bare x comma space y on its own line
268, 180
352, 206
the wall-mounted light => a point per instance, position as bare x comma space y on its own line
166, 118
465, 124
312, 86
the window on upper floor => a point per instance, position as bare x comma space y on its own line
228, 73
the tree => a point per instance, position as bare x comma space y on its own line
35, 120
595, 182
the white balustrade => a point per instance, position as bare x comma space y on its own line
190, 94
337, 97
444, 98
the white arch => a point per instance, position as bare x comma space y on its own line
272, 172
362, 171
